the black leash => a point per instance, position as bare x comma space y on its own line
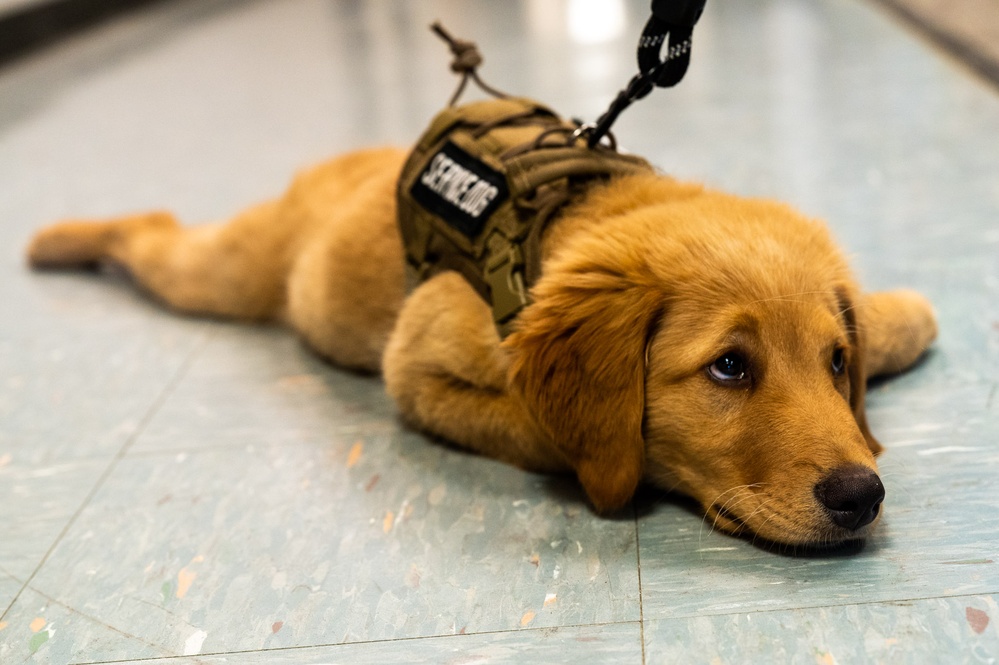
672, 23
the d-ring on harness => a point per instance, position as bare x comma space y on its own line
485, 180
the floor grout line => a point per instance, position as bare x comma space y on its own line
154, 407
158, 403
97, 621
640, 622
638, 568
865, 603
328, 645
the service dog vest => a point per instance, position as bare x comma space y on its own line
480, 188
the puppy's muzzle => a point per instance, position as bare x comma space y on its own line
852, 496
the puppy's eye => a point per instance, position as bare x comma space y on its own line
838, 361
729, 368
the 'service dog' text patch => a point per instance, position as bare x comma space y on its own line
460, 189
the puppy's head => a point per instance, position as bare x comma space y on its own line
708, 345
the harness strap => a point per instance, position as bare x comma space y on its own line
484, 183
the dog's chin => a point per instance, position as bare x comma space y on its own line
801, 536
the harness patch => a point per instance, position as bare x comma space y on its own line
460, 189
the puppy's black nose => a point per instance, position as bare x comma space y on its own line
852, 494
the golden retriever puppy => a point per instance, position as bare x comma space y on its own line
701, 342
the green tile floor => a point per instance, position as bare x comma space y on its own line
185, 491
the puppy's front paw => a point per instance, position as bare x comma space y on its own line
900, 327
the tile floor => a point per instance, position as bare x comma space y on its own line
184, 491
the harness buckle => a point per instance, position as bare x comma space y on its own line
504, 274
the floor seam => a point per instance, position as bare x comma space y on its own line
638, 568
97, 621
640, 622
161, 399
153, 409
883, 601
511, 631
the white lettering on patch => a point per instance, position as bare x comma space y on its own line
458, 186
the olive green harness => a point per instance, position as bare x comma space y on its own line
484, 182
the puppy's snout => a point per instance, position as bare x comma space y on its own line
852, 495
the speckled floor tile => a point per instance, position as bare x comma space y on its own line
262, 386
34, 631
71, 397
938, 630
81, 387
38, 502
349, 540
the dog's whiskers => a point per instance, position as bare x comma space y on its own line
738, 496
772, 515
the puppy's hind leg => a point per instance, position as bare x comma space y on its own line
446, 371
232, 270
77, 244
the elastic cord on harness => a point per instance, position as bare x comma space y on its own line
466, 61
672, 23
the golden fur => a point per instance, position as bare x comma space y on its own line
609, 374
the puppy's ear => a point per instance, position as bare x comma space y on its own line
856, 370
579, 361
